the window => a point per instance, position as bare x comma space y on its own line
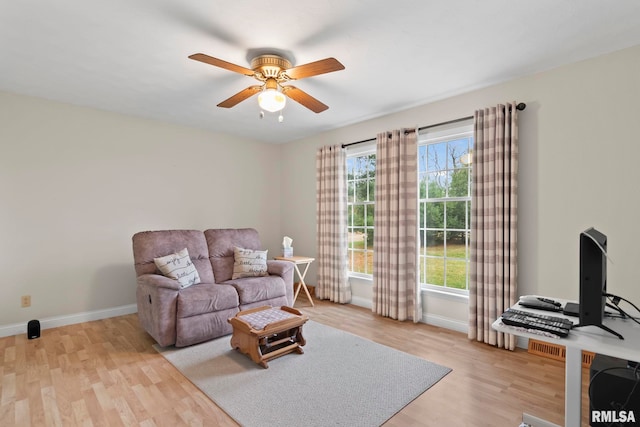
444, 199
361, 174
444, 224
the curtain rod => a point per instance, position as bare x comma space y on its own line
521, 106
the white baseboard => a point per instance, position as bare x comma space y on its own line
446, 323
361, 302
71, 319
429, 319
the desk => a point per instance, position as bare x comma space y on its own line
300, 260
589, 338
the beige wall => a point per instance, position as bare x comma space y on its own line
77, 183
579, 151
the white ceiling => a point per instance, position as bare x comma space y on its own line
130, 56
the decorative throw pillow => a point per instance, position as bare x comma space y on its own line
249, 263
179, 266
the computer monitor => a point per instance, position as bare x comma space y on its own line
593, 279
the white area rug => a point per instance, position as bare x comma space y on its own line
340, 380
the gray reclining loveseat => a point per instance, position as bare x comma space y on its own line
184, 316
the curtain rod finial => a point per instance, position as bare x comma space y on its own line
521, 106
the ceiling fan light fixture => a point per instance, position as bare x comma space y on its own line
273, 69
272, 100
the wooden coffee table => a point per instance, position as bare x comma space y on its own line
264, 333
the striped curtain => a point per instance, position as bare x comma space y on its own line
331, 223
494, 214
396, 292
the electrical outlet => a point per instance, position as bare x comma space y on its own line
26, 301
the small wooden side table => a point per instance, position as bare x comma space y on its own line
300, 260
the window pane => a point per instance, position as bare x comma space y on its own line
358, 215
351, 164
359, 265
437, 186
361, 191
456, 215
361, 254
456, 247
370, 209
357, 238
422, 159
435, 240
455, 150
422, 270
351, 191
435, 271
435, 214
368, 267
360, 170
445, 178
456, 274
423, 186
371, 165
459, 186
436, 156
351, 237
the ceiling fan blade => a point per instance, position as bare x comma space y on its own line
240, 96
327, 65
304, 98
222, 64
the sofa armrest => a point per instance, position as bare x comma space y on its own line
157, 298
285, 270
159, 281
280, 268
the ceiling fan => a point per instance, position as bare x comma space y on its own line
274, 70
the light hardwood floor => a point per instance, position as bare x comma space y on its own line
106, 373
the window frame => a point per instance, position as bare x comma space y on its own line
364, 149
427, 136
432, 136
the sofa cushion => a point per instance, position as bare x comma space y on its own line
249, 263
221, 243
148, 245
178, 266
206, 298
253, 289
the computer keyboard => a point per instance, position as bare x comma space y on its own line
525, 319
